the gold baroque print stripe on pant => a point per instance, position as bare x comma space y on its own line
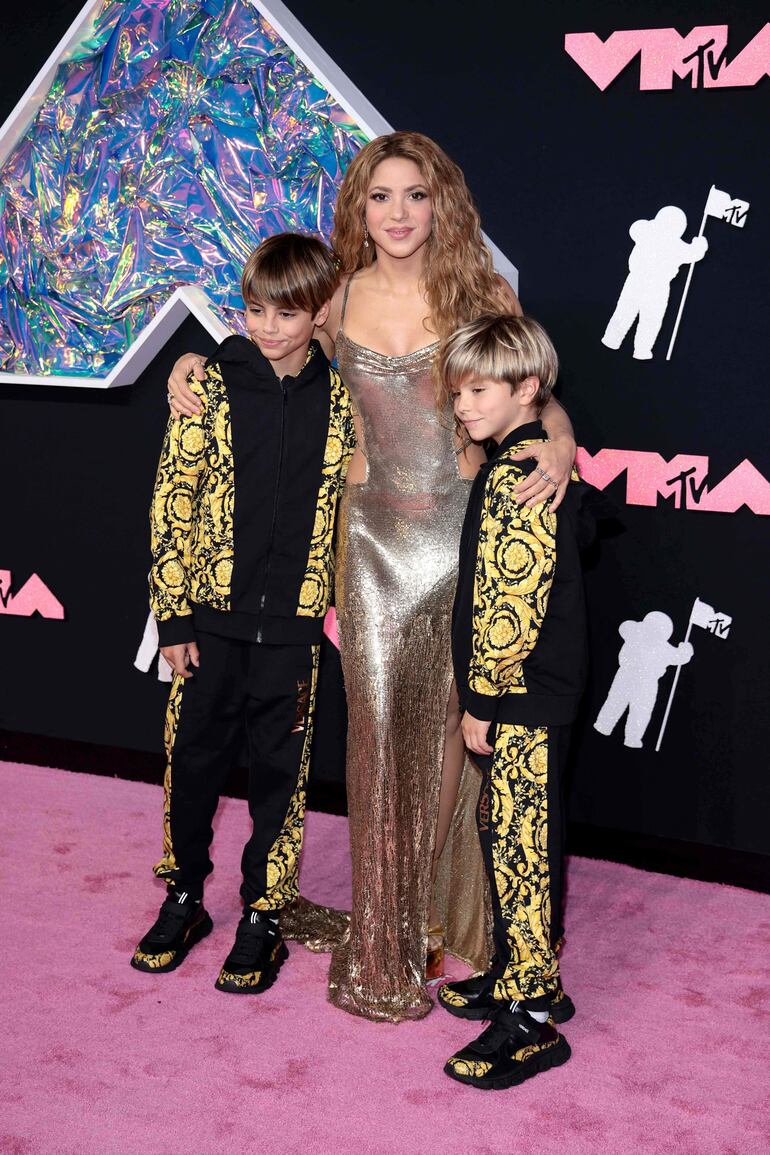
521, 870
167, 867
283, 856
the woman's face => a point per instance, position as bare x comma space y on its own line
399, 210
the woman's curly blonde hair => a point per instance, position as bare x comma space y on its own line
459, 281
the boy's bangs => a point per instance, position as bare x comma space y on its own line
290, 271
502, 349
478, 356
273, 284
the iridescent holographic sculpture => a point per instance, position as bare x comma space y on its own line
175, 138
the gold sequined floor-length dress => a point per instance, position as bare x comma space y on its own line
399, 536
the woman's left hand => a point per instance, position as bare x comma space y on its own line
551, 475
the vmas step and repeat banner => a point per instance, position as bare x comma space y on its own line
619, 163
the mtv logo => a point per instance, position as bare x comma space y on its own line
709, 619
720, 625
720, 204
663, 53
736, 213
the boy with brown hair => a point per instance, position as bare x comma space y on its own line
242, 522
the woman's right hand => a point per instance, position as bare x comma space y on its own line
182, 401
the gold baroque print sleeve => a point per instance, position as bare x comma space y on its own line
211, 568
514, 572
347, 429
315, 593
172, 514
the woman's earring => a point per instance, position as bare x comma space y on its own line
366, 236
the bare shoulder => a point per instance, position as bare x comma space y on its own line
511, 300
332, 325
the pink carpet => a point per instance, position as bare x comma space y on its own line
670, 1049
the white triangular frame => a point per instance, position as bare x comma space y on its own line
190, 300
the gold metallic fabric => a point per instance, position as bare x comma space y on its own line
317, 927
398, 543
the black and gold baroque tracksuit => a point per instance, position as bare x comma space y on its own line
242, 522
519, 651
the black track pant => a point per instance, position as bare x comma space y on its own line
521, 828
266, 692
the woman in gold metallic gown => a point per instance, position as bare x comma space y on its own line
414, 268
397, 557
409, 241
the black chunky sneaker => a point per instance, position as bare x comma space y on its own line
514, 1047
562, 1007
258, 954
179, 925
471, 998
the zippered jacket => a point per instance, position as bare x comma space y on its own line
243, 511
519, 623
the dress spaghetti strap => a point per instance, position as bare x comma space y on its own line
345, 300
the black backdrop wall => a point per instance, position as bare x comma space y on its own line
561, 169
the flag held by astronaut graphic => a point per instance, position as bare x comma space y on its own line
707, 618
726, 208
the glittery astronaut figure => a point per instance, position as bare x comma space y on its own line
644, 657
657, 256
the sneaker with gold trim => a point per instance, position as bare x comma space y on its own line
469, 998
258, 954
472, 998
514, 1047
180, 924
562, 1007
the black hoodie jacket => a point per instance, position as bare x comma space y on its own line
242, 515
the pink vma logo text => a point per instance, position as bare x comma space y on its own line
684, 478
663, 53
33, 597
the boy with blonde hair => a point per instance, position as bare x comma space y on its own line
519, 652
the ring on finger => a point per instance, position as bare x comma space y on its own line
169, 398
542, 472
546, 477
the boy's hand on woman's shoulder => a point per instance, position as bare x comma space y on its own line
475, 734
180, 658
